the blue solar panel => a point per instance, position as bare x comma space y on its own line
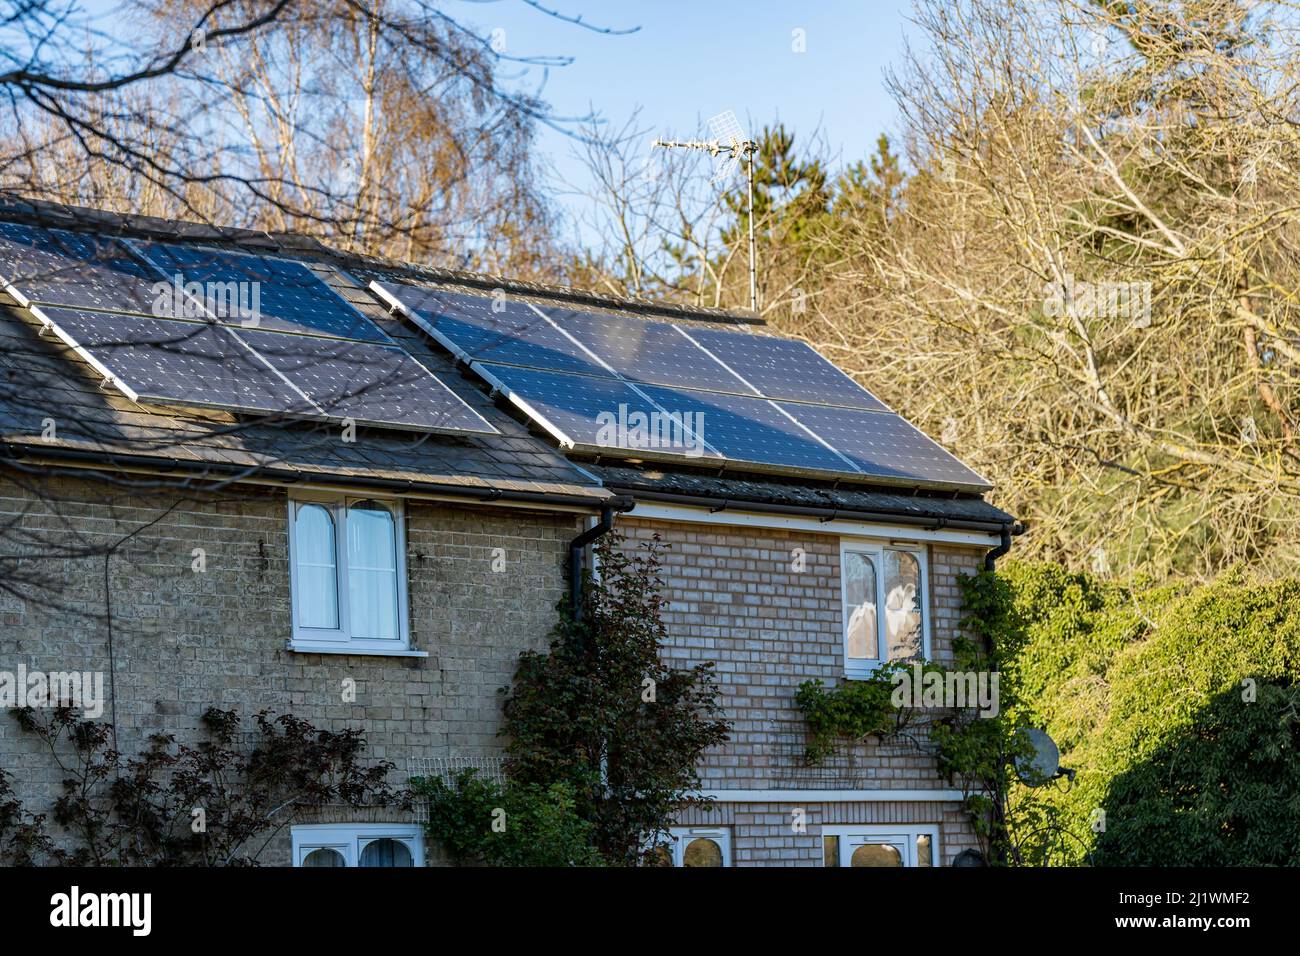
367, 382
784, 369
497, 330
598, 412
171, 361
261, 292
644, 351
766, 402
748, 429
74, 269
884, 445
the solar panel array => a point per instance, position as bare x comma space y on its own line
290, 296
639, 388
74, 269
256, 333
243, 332
170, 361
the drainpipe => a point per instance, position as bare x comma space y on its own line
579, 544
991, 559
990, 563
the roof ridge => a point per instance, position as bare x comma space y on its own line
62, 215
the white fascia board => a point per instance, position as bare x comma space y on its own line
837, 526
834, 796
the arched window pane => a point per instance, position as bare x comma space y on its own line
324, 857
702, 852
860, 607
314, 551
372, 571
876, 854
903, 633
659, 856
386, 853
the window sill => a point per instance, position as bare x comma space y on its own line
299, 647
862, 673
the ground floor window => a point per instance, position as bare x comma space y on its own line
880, 845
358, 844
694, 846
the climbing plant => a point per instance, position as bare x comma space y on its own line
219, 802
602, 717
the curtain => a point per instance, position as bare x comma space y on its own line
314, 550
860, 606
386, 853
372, 571
903, 634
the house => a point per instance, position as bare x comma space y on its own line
222, 523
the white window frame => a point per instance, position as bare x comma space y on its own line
901, 836
318, 640
351, 840
875, 548
681, 836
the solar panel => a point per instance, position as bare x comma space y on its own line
784, 369
884, 445
56, 267
367, 382
765, 402
646, 351
483, 329
172, 361
261, 292
748, 429
595, 412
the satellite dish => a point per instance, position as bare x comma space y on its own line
1043, 761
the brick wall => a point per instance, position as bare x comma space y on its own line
736, 598
766, 834
185, 641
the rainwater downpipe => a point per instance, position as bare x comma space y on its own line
576, 563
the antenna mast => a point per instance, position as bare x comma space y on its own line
728, 141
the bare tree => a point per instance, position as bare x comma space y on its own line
382, 126
1084, 283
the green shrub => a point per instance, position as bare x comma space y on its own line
481, 823
603, 712
851, 710
1142, 688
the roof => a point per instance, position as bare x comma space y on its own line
42, 380
674, 484
58, 215
92, 421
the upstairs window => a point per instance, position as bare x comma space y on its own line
349, 575
883, 602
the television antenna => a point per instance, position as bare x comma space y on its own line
728, 147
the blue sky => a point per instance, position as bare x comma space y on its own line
692, 60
